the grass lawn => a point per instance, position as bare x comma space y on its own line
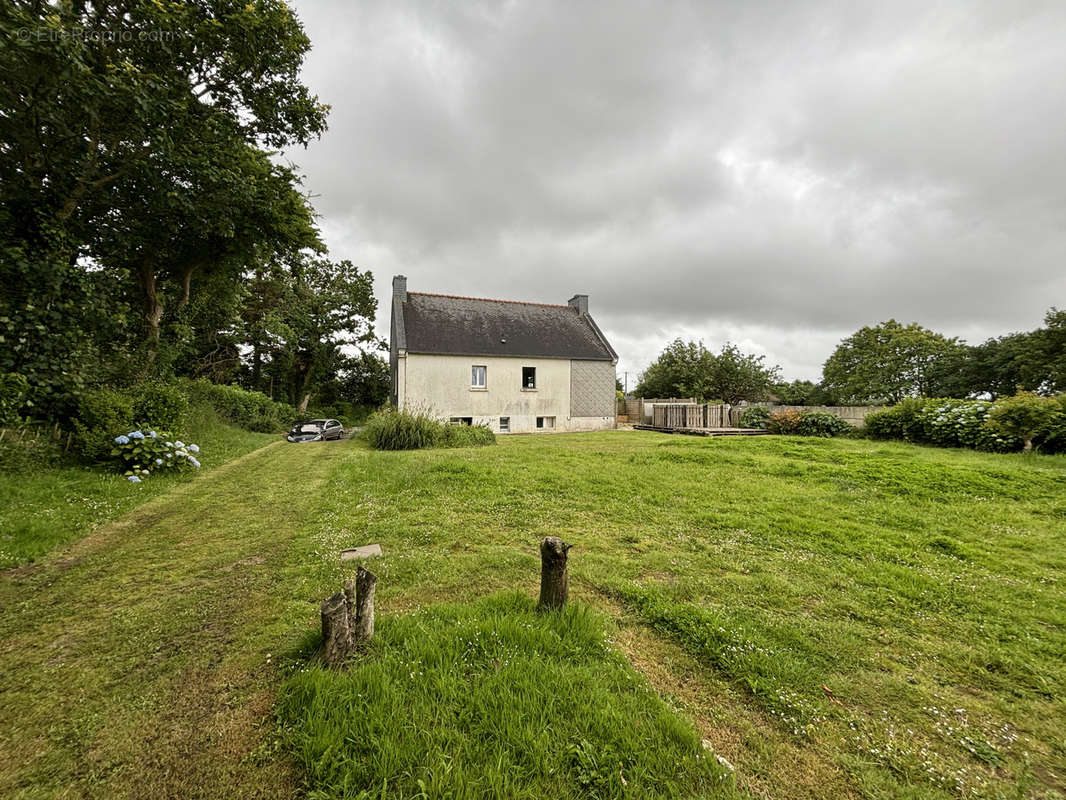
49, 508
836, 618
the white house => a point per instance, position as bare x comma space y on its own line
516, 367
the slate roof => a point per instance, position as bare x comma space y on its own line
448, 325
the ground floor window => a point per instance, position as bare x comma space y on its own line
461, 421
505, 424
545, 422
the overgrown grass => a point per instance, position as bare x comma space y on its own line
492, 699
414, 430
47, 507
922, 588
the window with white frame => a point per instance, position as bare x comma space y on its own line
529, 377
478, 375
505, 424
545, 422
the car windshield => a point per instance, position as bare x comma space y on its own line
310, 427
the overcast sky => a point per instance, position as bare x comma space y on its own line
774, 174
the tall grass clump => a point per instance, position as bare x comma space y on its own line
492, 700
414, 430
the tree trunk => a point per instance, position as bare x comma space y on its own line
365, 586
554, 583
1028, 447
153, 306
303, 403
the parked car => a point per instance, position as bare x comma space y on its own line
316, 430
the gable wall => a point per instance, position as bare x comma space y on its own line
592, 389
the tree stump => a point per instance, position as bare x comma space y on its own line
366, 583
554, 583
348, 618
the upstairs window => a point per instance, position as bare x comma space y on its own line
529, 377
478, 376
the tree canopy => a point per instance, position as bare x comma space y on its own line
886, 362
140, 194
689, 369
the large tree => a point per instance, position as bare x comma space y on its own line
302, 319
886, 362
683, 369
739, 376
688, 369
97, 100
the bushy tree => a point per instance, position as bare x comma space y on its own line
683, 369
1022, 415
739, 376
122, 160
886, 362
801, 393
688, 369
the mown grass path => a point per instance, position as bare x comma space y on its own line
135, 664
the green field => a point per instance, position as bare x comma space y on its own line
832, 618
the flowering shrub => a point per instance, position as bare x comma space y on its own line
142, 453
806, 423
960, 423
998, 426
784, 422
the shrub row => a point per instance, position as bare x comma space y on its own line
795, 423
413, 430
103, 414
1009, 424
253, 411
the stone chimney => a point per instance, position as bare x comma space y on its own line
580, 302
399, 288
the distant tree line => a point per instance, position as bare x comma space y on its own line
884, 363
147, 229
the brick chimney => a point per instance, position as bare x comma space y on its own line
399, 288
580, 302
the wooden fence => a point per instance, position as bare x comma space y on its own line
34, 434
690, 415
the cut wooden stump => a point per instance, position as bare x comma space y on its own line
554, 583
366, 584
348, 618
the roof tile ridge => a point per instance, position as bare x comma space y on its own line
492, 300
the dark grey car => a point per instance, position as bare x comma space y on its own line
316, 430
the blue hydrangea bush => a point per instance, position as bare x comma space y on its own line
142, 453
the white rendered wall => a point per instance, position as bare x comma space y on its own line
441, 384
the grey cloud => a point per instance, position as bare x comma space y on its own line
780, 173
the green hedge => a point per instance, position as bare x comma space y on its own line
252, 411
974, 424
102, 414
806, 423
413, 430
